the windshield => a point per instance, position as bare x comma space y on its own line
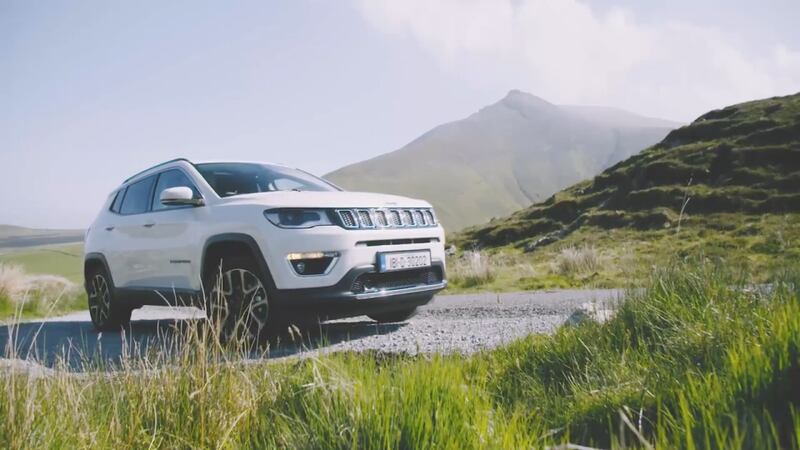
229, 179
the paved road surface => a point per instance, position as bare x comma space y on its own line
450, 323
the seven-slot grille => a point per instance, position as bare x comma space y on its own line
386, 218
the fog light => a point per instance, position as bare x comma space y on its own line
311, 255
311, 263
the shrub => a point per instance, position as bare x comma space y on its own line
36, 294
576, 260
473, 268
13, 281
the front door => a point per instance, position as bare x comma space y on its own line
171, 237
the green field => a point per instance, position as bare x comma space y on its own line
697, 360
63, 260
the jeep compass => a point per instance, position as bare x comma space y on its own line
254, 244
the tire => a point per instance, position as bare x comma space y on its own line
106, 312
394, 316
237, 299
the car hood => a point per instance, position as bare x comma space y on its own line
332, 199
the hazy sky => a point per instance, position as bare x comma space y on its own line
91, 92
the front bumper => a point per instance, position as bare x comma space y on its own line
356, 249
346, 299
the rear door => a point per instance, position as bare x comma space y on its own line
127, 257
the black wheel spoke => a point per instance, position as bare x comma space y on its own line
240, 304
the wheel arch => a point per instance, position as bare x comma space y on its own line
231, 243
94, 260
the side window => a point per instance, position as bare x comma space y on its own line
286, 184
137, 197
169, 179
117, 201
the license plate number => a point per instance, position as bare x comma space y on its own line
389, 262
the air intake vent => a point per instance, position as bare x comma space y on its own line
408, 218
396, 221
348, 219
381, 218
371, 282
365, 219
430, 219
419, 218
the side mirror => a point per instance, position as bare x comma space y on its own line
179, 196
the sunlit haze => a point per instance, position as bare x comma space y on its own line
92, 92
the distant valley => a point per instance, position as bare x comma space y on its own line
19, 237
505, 157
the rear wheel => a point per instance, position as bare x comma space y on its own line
237, 299
106, 313
394, 316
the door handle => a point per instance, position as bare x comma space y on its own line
148, 225
110, 227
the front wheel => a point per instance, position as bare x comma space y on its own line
106, 313
394, 316
237, 301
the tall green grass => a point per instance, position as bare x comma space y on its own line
699, 359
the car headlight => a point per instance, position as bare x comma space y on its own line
298, 217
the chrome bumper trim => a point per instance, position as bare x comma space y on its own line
401, 291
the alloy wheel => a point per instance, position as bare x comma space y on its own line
239, 303
99, 300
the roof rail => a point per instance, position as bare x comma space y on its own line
157, 165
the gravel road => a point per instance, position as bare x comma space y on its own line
450, 323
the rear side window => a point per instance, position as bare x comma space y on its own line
170, 179
118, 201
137, 197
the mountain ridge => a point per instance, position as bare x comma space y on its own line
501, 158
742, 159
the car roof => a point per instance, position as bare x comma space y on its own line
159, 165
176, 162
241, 162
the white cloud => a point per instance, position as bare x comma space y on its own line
569, 53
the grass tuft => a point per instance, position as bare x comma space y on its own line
573, 261
26, 295
472, 268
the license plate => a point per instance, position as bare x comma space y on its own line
390, 262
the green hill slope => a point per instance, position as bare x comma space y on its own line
504, 157
727, 184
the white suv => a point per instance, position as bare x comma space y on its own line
256, 243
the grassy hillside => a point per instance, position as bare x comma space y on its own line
725, 186
504, 157
696, 360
